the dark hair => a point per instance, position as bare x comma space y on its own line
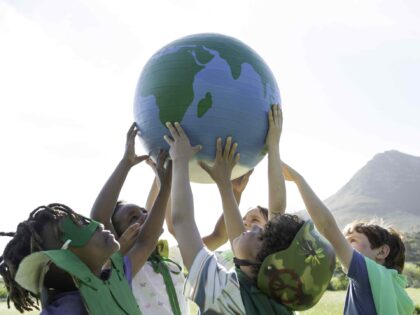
278, 234
26, 240
118, 206
264, 212
378, 236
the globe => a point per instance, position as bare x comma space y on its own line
215, 86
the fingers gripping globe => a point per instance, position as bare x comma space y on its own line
214, 86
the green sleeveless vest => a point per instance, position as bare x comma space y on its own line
111, 296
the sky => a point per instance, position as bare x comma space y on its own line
347, 73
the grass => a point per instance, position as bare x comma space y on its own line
332, 303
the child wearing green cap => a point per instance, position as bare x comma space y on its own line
371, 255
73, 265
157, 286
57, 256
285, 267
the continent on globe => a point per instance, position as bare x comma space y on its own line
215, 86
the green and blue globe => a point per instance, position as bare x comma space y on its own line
215, 86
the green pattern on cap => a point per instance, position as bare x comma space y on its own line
298, 276
78, 234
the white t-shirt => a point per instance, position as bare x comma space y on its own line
149, 289
212, 287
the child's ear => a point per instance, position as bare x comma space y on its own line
383, 252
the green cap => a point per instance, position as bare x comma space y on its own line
78, 235
298, 276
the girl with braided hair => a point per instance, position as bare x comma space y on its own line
57, 256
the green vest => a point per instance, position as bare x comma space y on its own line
257, 302
111, 296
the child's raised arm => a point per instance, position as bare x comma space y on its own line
185, 227
221, 172
104, 205
321, 216
152, 227
276, 185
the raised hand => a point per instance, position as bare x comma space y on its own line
289, 173
179, 143
225, 160
275, 125
130, 155
128, 238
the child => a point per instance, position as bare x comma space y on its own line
158, 285
58, 256
372, 256
285, 266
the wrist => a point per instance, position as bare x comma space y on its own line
125, 163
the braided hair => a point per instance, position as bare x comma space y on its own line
26, 240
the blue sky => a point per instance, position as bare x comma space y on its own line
348, 73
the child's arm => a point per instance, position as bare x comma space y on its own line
104, 205
321, 216
276, 185
185, 227
152, 227
220, 172
219, 235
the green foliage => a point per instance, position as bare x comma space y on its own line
3, 291
412, 272
339, 280
412, 247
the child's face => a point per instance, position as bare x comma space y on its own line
254, 217
361, 243
100, 247
127, 215
248, 244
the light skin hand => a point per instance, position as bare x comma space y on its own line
181, 148
275, 126
239, 184
221, 172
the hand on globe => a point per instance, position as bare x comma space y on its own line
275, 125
130, 153
225, 160
180, 147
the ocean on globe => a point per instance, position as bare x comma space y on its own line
215, 86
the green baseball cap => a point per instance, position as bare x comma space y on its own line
77, 235
298, 276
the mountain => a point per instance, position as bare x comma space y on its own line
387, 187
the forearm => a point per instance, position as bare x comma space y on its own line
186, 231
320, 214
104, 204
150, 232
276, 184
218, 237
154, 190
233, 220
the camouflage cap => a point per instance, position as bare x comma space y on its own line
298, 276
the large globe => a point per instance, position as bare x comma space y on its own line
215, 86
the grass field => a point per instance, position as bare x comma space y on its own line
331, 304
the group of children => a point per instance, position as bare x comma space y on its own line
72, 264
